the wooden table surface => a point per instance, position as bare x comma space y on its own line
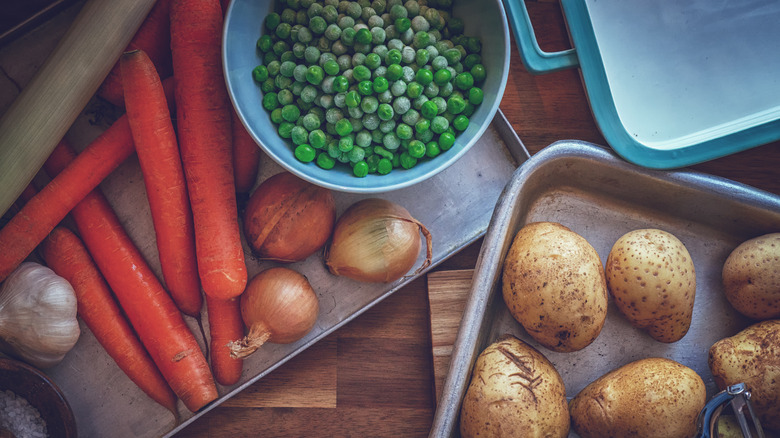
374, 377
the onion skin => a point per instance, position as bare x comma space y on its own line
376, 241
288, 219
279, 306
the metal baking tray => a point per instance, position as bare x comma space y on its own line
600, 196
455, 206
670, 84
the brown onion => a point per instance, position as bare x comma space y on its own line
288, 219
376, 240
278, 306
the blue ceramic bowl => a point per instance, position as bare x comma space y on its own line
243, 26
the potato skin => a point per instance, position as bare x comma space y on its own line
752, 356
514, 392
651, 276
751, 277
653, 397
554, 286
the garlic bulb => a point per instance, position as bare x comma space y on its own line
37, 315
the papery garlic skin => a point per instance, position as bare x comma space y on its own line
38, 310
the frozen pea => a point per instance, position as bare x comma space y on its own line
357, 123
338, 48
326, 101
377, 136
373, 61
398, 11
317, 25
286, 68
425, 136
385, 111
282, 82
391, 32
333, 149
333, 115
411, 117
358, 59
380, 6
398, 88
408, 74
348, 36
369, 104
299, 135
380, 71
314, 10
309, 93
355, 112
285, 97
363, 138
345, 22
371, 120
431, 90
385, 97
401, 105
378, 35
299, 72
381, 50
387, 126
446, 89
441, 104
327, 84
422, 57
439, 124
311, 55
439, 62
311, 122
407, 37
298, 50
349, 74
362, 48
356, 154
419, 24
297, 88
344, 62
395, 44
391, 141
330, 14
375, 21
432, 51
421, 40
354, 10
333, 32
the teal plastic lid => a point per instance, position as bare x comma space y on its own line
670, 84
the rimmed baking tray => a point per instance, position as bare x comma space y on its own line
591, 190
670, 84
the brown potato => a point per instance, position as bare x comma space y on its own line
553, 284
752, 357
751, 277
514, 391
653, 397
651, 276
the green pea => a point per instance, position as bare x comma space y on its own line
260, 73
473, 45
348, 36
317, 25
446, 140
456, 104
394, 72
285, 97
317, 138
404, 131
402, 24
421, 40
373, 61
305, 153
352, 99
429, 109
270, 101
442, 77
356, 154
408, 161
361, 73
424, 77
478, 73
422, 125
265, 43
315, 74
363, 36
365, 88
360, 169
464, 81
283, 30
432, 149
346, 144
340, 84
460, 123
325, 161
422, 57
380, 84
385, 112
343, 127
414, 90
311, 122
268, 86
285, 129
331, 67
416, 149
299, 135
384, 166
476, 95
471, 60
369, 105
393, 56
452, 56
272, 20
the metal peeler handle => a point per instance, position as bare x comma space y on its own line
739, 398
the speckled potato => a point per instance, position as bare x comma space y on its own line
553, 284
751, 277
514, 392
653, 397
752, 356
651, 276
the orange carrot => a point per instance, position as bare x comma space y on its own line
203, 122
66, 255
150, 309
45, 210
154, 38
246, 156
225, 325
158, 154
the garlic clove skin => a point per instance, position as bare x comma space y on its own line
38, 309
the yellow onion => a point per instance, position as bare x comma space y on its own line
376, 241
279, 306
288, 219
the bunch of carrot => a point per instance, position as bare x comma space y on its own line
191, 175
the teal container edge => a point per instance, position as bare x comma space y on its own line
587, 56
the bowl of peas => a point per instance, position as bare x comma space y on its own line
366, 96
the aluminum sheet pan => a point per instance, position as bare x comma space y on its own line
590, 190
456, 206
